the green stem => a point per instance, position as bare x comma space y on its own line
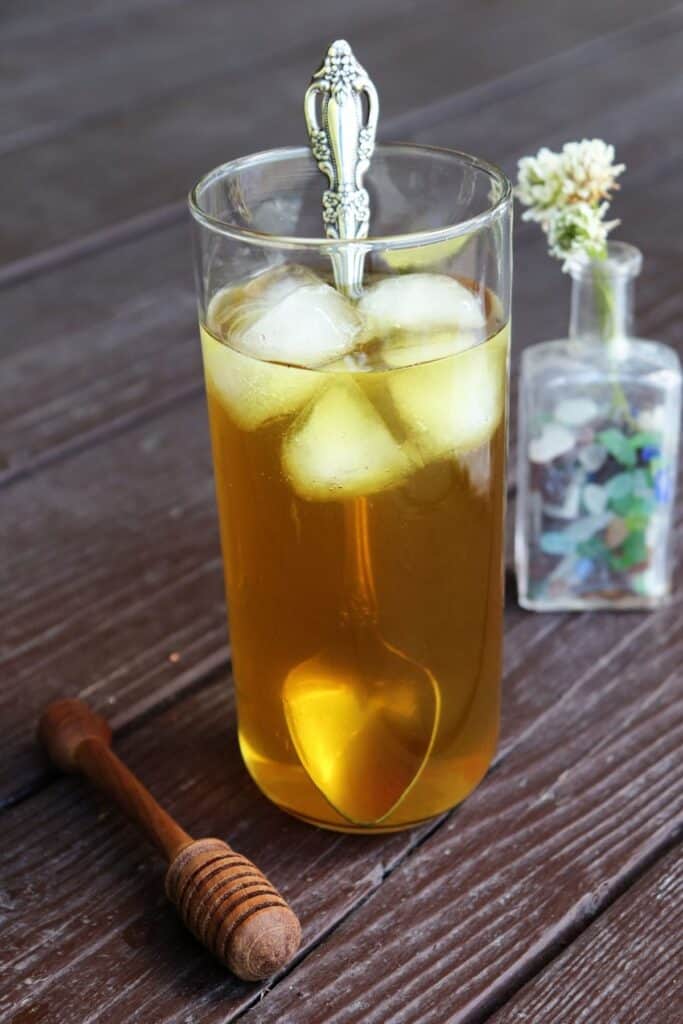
604, 301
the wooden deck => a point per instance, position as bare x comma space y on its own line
554, 895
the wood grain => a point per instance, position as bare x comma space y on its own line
113, 339
20, 19
147, 157
112, 580
626, 966
138, 53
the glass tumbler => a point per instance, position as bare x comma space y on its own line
359, 458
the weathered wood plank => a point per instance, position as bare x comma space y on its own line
20, 19
112, 339
119, 61
148, 158
592, 793
131, 308
110, 564
626, 966
586, 782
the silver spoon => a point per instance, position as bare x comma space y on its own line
362, 714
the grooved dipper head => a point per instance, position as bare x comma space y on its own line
233, 909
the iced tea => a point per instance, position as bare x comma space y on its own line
359, 454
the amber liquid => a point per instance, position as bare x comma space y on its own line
365, 619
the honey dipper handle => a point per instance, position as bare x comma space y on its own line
78, 740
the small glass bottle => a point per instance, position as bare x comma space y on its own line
598, 435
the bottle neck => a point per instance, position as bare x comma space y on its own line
602, 301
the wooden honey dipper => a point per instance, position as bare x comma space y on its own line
221, 896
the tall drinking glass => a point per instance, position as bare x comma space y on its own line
359, 456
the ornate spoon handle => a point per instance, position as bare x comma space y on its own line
342, 140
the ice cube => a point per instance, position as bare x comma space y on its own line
421, 256
477, 465
454, 405
410, 349
340, 447
288, 315
253, 392
421, 302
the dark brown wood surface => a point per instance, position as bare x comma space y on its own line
561, 873
626, 966
105, 173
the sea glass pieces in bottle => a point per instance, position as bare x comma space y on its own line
597, 452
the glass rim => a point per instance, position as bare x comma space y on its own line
396, 241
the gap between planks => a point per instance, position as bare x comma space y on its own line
527, 971
557, 948
185, 685
621, 967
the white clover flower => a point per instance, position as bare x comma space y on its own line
539, 182
568, 193
588, 171
578, 229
